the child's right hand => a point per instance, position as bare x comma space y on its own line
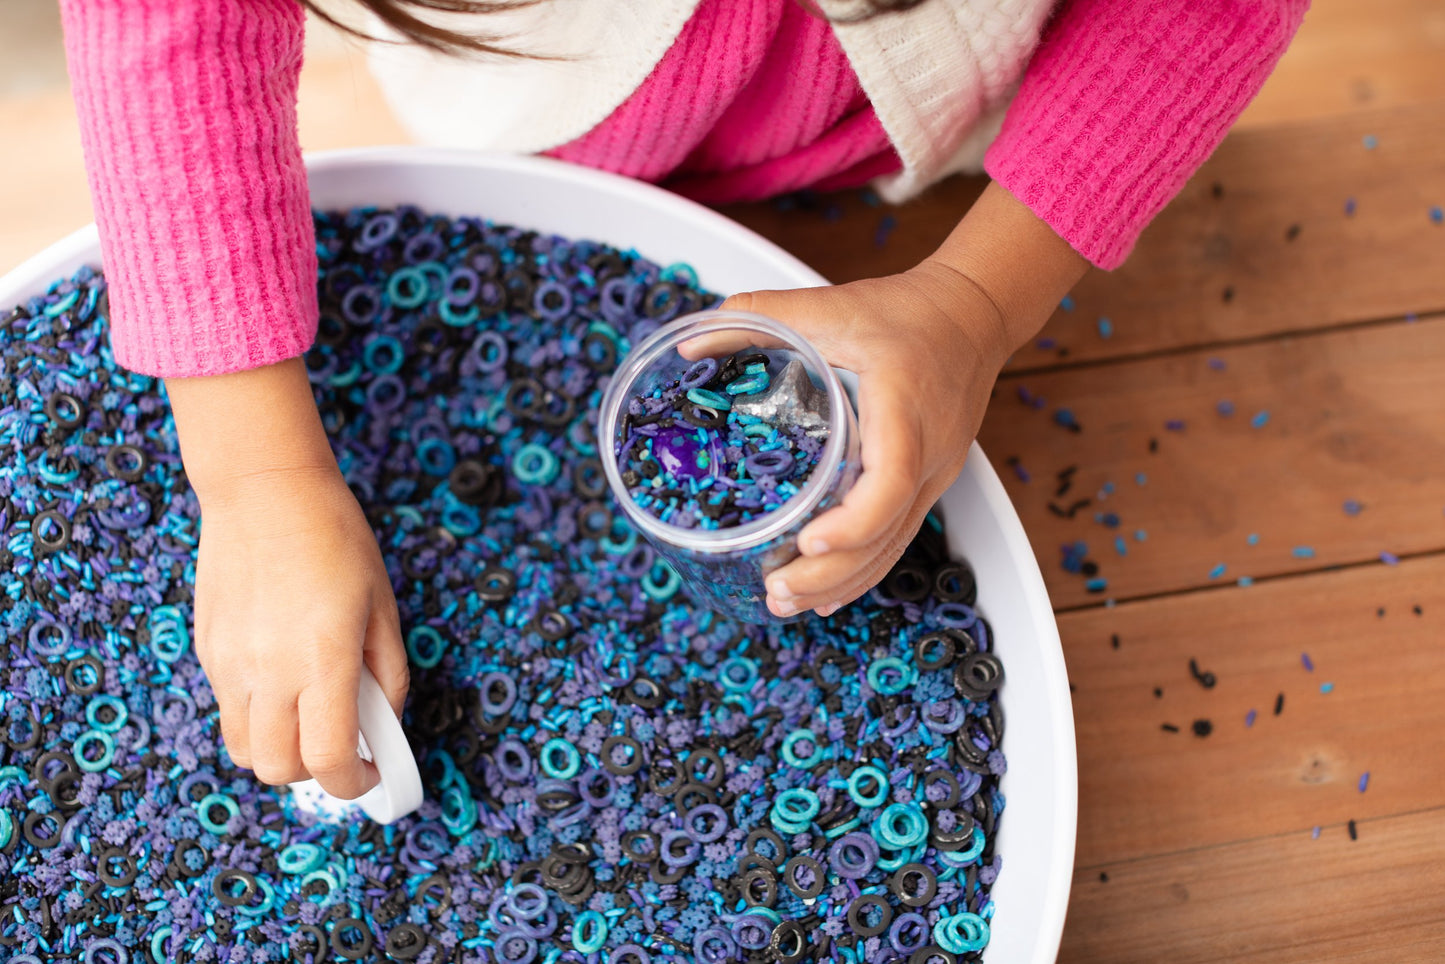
291, 592
291, 595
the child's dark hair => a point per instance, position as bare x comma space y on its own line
408, 19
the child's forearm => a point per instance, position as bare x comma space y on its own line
1016, 260
239, 429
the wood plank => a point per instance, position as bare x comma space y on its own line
1352, 415
1144, 792
43, 192
1384, 261
850, 234
1217, 269
1280, 900
1351, 56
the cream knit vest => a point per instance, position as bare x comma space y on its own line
939, 76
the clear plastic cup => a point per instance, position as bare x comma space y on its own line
724, 568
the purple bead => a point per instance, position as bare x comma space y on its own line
699, 374
679, 453
774, 463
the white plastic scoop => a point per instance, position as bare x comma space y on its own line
382, 742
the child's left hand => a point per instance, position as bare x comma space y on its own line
927, 346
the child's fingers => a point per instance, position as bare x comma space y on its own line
329, 729
892, 450
276, 757
385, 653
819, 581
235, 725
807, 310
827, 581
723, 343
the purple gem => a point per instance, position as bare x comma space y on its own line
678, 452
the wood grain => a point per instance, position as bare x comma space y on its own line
1352, 56
1145, 792
1351, 415
1279, 900
1217, 269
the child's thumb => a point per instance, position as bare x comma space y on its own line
811, 312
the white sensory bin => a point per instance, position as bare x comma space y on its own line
1036, 835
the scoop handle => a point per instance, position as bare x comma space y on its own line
399, 792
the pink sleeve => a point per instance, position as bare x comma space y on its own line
188, 120
1123, 101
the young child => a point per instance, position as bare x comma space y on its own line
188, 114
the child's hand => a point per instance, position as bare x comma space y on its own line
926, 346
290, 587
290, 593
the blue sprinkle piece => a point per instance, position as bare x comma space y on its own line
1217, 364
1303, 552
1067, 303
1074, 555
1224, 407
1120, 546
1244, 582
1315, 833
1371, 142
1217, 571
1327, 687
1140, 535
1252, 538
1250, 717
1261, 419
1175, 425
1065, 417
885, 229
1349, 207
1437, 215
1364, 781
1389, 558
1140, 478
1097, 584
1106, 328
1306, 662
1352, 507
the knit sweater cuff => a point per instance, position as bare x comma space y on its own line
1121, 104
188, 121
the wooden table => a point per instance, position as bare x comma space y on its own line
1254, 288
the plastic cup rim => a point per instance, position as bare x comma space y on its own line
767, 527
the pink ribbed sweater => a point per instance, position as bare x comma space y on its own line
188, 121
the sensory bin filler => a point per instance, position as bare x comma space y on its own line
613, 772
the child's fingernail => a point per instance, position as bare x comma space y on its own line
816, 547
783, 606
830, 609
778, 588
